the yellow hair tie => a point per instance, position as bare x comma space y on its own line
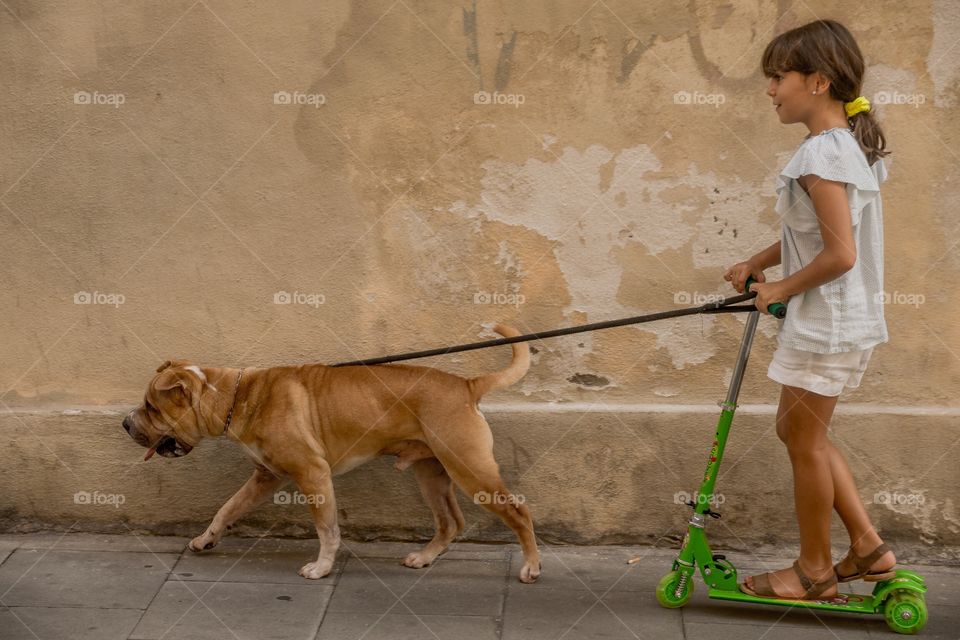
859, 105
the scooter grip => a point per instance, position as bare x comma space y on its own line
777, 309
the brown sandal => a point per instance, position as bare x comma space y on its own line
812, 590
863, 566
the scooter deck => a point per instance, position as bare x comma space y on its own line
847, 602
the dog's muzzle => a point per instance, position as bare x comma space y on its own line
169, 447
166, 446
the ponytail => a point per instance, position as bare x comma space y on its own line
868, 133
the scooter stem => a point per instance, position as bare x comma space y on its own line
745, 344
729, 406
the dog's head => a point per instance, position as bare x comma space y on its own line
169, 421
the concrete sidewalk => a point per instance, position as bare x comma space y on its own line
101, 587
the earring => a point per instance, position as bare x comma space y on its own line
814, 92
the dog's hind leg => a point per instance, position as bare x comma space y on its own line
252, 492
471, 464
437, 489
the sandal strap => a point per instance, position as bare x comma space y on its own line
863, 564
762, 586
813, 589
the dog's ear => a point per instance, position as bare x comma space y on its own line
183, 384
169, 380
171, 363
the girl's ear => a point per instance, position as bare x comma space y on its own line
818, 82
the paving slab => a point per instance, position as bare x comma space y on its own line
254, 561
392, 626
76, 623
106, 579
600, 569
450, 587
200, 610
541, 613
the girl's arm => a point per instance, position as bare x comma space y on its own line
839, 247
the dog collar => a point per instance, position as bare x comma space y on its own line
236, 387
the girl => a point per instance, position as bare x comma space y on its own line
831, 248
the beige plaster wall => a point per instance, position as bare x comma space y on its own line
152, 166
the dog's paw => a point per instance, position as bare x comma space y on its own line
528, 574
417, 560
203, 542
316, 570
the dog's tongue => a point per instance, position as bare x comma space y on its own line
150, 453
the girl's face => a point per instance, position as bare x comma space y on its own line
792, 94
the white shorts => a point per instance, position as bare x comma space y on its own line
823, 373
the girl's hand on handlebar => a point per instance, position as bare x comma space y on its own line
768, 293
737, 275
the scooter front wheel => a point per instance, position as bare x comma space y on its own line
674, 590
905, 612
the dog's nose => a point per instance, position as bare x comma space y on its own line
127, 424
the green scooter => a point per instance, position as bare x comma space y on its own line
900, 599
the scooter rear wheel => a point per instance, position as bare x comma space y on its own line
905, 612
674, 591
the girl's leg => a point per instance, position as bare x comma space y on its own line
806, 416
863, 537
846, 500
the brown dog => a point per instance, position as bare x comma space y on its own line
309, 423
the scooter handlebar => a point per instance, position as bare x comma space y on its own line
777, 309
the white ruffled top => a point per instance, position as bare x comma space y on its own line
847, 313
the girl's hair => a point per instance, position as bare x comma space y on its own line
828, 47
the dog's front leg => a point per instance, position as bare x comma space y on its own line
261, 483
316, 483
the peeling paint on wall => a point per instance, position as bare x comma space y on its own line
589, 202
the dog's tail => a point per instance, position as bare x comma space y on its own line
506, 377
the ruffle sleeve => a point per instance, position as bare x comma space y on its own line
832, 155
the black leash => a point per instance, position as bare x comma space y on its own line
723, 306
